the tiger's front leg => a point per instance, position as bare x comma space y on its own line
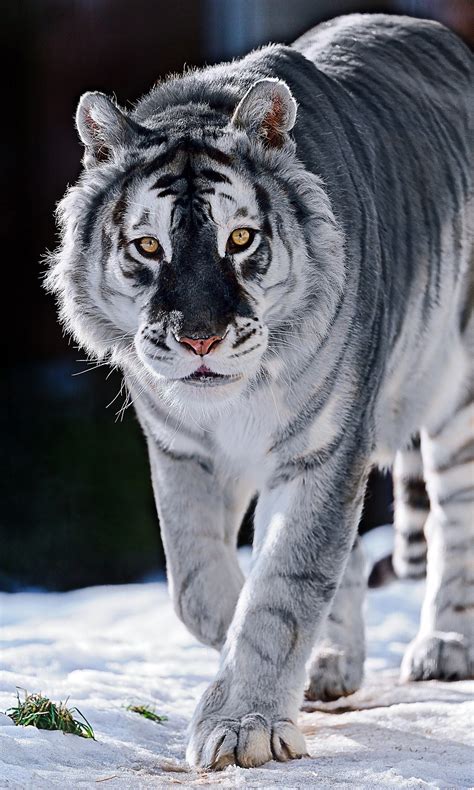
337, 662
199, 516
248, 715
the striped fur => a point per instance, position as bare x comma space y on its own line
344, 329
411, 509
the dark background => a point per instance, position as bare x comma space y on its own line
77, 505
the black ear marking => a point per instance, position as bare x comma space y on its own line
103, 127
268, 110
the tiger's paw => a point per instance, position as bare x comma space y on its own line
333, 674
438, 656
249, 742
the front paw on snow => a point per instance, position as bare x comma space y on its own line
249, 742
438, 656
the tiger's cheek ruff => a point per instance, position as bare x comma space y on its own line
98, 298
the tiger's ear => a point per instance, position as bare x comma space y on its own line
102, 127
267, 110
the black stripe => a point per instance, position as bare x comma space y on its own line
119, 210
214, 153
214, 176
414, 538
306, 463
243, 338
247, 351
265, 208
204, 463
167, 192
156, 342
421, 560
106, 248
152, 140
257, 265
127, 272
140, 273
166, 181
160, 161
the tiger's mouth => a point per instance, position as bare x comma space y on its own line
203, 376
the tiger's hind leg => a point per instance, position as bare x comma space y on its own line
337, 664
444, 646
412, 506
411, 512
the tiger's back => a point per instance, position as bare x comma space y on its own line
405, 112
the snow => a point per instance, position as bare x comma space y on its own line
105, 647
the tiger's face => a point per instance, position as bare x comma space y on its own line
185, 249
194, 247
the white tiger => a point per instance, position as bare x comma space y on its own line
276, 253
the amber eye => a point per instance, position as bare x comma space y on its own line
240, 239
148, 246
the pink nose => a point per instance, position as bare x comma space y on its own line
201, 345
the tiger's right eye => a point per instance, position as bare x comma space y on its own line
148, 246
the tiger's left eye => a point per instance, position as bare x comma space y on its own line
148, 246
240, 239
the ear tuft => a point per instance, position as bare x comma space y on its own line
102, 126
267, 110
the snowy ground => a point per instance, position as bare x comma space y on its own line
108, 646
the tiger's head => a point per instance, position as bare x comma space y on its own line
186, 248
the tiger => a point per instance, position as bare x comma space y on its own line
277, 254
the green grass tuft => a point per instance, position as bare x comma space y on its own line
147, 712
38, 711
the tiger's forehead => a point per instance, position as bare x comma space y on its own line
205, 182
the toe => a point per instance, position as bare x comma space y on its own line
213, 744
288, 742
253, 747
219, 748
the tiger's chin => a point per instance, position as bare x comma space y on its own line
206, 399
204, 392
